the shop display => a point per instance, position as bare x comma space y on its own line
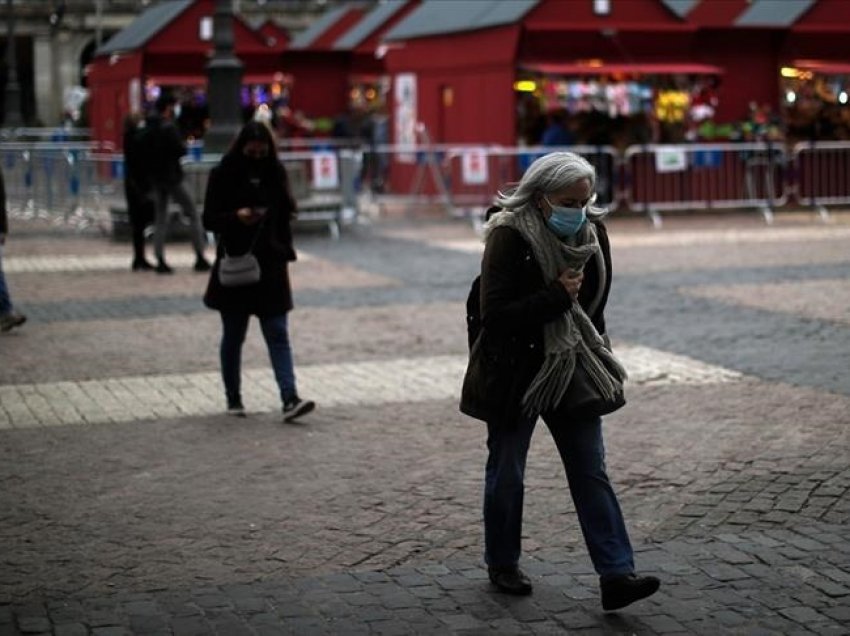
617, 110
816, 104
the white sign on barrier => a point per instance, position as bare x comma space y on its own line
474, 167
671, 159
325, 171
405, 115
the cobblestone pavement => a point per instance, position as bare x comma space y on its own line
129, 504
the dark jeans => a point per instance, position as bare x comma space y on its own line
141, 210
276, 334
5, 300
583, 455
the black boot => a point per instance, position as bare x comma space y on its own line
510, 580
141, 265
201, 264
625, 589
163, 268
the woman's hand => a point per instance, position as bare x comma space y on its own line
248, 216
571, 280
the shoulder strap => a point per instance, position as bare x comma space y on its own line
253, 240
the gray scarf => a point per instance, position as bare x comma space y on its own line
572, 338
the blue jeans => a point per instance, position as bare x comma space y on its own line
5, 301
583, 455
276, 334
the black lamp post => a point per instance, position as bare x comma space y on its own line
12, 100
224, 82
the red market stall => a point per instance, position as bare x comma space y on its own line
320, 72
167, 48
490, 71
338, 70
368, 82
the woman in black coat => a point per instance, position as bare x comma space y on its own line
545, 278
249, 208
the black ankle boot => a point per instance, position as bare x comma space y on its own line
141, 265
163, 268
510, 580
625, 589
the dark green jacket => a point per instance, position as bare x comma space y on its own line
515, 305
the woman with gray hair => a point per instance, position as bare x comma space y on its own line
545, 278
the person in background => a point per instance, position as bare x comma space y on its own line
9, 317
545, 277
168, 148
138, 186
557, 133
249, 207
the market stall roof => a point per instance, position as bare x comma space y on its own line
432, 18
167, 26
681, 7
194, 79
627, 69
276, 36
370, 23
765, 13
740, 13
826, 16
143, 28
322, 33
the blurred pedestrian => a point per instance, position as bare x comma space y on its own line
138, 186
9, 317
557, 133
249, 207
168, 183
542, 349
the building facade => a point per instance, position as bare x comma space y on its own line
55, 40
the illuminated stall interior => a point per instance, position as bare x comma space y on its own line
816, 100
616, 105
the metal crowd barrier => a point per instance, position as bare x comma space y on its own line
822, 174
476, 173
705, 176
52, 181
460, 180
59, 134
80, 184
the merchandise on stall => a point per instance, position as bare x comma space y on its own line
618, 109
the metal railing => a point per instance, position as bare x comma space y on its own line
80, 184
822, 172
705, 176
52, 180
59, 134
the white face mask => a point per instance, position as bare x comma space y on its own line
177, 110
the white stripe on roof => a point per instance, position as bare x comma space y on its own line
777, 13
436, 17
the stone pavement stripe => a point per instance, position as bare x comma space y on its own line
103, 262
372, 382
674, 238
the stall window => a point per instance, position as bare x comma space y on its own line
601, 7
